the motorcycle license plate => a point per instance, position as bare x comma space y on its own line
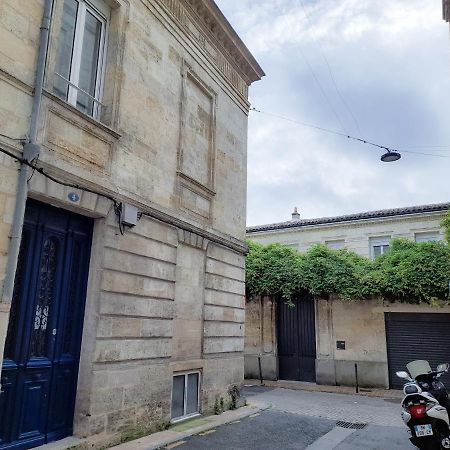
423, 430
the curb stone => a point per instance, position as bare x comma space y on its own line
312, 387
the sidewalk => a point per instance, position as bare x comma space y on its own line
313, 387
174, 436
278, 397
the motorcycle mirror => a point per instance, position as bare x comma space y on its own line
442, 367
403, 374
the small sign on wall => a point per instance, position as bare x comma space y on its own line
73, 197
340, 345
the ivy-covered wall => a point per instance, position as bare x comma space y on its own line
411, 272
352, 293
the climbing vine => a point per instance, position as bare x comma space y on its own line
446, 226
411, 272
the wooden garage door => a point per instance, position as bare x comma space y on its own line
413, 336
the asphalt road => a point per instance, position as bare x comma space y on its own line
295, 428
273, 429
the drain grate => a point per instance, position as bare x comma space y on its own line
351, 425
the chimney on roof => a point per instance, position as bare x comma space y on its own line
295, 215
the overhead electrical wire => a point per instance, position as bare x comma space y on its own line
154, 214
327, 63
347, 106
348, 136
322, 90
427, 146
52, 178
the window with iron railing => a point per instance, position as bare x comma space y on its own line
81, 55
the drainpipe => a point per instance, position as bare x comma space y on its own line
30, 152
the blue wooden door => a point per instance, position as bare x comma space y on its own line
40, 366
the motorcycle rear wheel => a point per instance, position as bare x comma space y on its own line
429, 444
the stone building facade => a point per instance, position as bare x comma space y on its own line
363, 233
144, 107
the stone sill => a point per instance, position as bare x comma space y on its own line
114, 133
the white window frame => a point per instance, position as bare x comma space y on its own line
379, 241
100, 12
426, 234
194, 414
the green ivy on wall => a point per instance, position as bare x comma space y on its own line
446, 226
410, 272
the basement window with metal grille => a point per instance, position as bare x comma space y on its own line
185, 395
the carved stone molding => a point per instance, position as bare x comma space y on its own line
203, 21
197, 145
192, 239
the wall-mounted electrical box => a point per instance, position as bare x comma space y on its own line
128, 215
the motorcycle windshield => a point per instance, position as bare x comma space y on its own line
417, 368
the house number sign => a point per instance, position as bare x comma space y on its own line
73, 197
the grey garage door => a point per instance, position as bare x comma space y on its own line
413, 336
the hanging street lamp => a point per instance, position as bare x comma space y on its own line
390, 156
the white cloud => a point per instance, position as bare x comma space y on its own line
390, 59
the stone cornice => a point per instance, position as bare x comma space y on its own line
222, 30
216, 28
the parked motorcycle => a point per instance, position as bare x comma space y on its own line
426, 405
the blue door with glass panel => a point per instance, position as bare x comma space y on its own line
40, 366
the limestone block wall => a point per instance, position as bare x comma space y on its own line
362, 326
17, 61
125, 379
8, 180
261, 339
223, 328
167, 301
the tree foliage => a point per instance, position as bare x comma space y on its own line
445, 224
411, 272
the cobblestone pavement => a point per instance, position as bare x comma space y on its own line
350, 408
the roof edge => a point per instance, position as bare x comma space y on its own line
378, 214
218, 24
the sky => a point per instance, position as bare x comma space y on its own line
374, 69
